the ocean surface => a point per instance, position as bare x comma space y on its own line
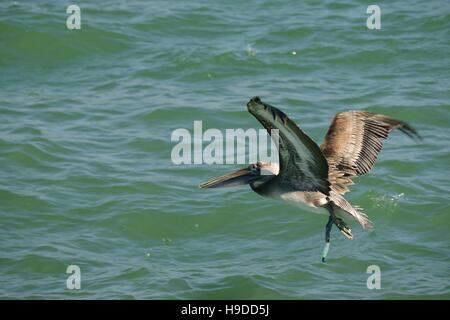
86, 176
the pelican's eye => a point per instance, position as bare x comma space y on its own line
254, 167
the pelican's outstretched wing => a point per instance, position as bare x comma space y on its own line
302, 165
352, 144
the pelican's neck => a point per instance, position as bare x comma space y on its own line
262, 185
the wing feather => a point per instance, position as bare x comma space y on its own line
302, 164
353, 142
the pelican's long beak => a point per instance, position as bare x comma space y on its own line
233, 179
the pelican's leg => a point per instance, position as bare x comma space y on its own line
342, 226
327, 237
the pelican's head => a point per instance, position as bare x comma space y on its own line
254, 174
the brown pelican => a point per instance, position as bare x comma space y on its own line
313, 175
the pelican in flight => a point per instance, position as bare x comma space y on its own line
317, 176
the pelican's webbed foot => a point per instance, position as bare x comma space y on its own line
343, 228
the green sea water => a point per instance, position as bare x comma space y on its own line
86, 176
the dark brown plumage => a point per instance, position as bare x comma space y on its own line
352, 144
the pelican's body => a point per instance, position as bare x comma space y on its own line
310, 199
312, 175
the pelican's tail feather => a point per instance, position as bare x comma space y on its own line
355, 212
